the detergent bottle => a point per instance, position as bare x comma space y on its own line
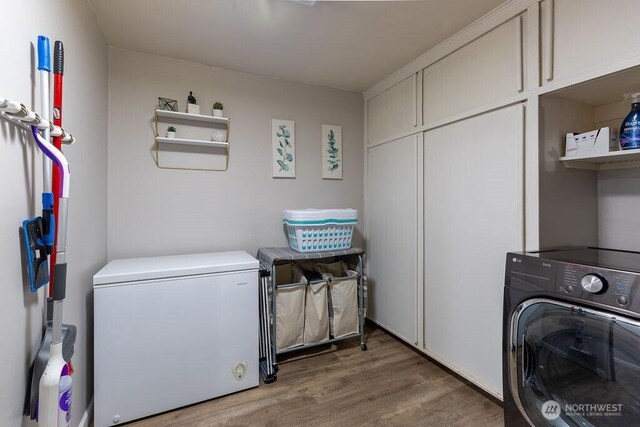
630, 129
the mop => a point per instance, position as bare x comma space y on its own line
38, 233
54, 395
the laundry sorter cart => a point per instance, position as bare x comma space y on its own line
271, 261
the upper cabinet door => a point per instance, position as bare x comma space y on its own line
393, 111
481, 73
579, 36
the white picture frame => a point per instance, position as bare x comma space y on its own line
283, 148
332, 152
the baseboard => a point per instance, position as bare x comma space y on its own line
87, 415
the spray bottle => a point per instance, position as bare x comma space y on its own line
630, 129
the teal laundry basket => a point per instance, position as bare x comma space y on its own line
320, 230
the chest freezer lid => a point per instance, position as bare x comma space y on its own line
135, 269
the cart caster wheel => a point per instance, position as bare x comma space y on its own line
271, 379
363, 347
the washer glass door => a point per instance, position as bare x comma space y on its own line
574, 366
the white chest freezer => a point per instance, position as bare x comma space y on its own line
172, 331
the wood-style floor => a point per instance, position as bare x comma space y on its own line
388, 385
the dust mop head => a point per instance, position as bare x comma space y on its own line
35, 251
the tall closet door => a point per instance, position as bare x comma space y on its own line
474, 214
392, 236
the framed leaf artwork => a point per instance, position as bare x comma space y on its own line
283, 145
331, 152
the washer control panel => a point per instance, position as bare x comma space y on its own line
610, 287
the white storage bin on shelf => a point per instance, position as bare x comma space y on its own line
318, 230
290, 303
343, 298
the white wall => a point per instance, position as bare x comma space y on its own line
565, 220
85, 109
154, 211
618, 200
618, 208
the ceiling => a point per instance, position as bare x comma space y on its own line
343, 44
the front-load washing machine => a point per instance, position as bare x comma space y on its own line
571, 340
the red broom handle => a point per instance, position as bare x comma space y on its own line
58, 72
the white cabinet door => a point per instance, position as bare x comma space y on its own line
392, 201
474, 215
587, 35
393, 111
483, 72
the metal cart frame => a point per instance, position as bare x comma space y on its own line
269, 258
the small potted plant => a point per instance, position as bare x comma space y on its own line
217, 109
171, 132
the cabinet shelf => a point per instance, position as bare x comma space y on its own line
198, 142
613, 160
192, 117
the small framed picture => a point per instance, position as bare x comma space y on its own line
283, 146
331, 152
167, 104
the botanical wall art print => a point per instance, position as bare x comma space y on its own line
331, 152
283, 142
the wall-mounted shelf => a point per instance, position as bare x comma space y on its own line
613, 160
198, 142
192, 117
185, 158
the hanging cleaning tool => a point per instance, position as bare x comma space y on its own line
38, 233
44, 70
20, 115
63, 336
54, 398
54, 391
36, 253
58, 74
630, 128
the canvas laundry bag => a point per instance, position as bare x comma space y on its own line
343, 299
316, 313
316, 309
290, 307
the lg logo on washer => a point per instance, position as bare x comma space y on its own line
550, 409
